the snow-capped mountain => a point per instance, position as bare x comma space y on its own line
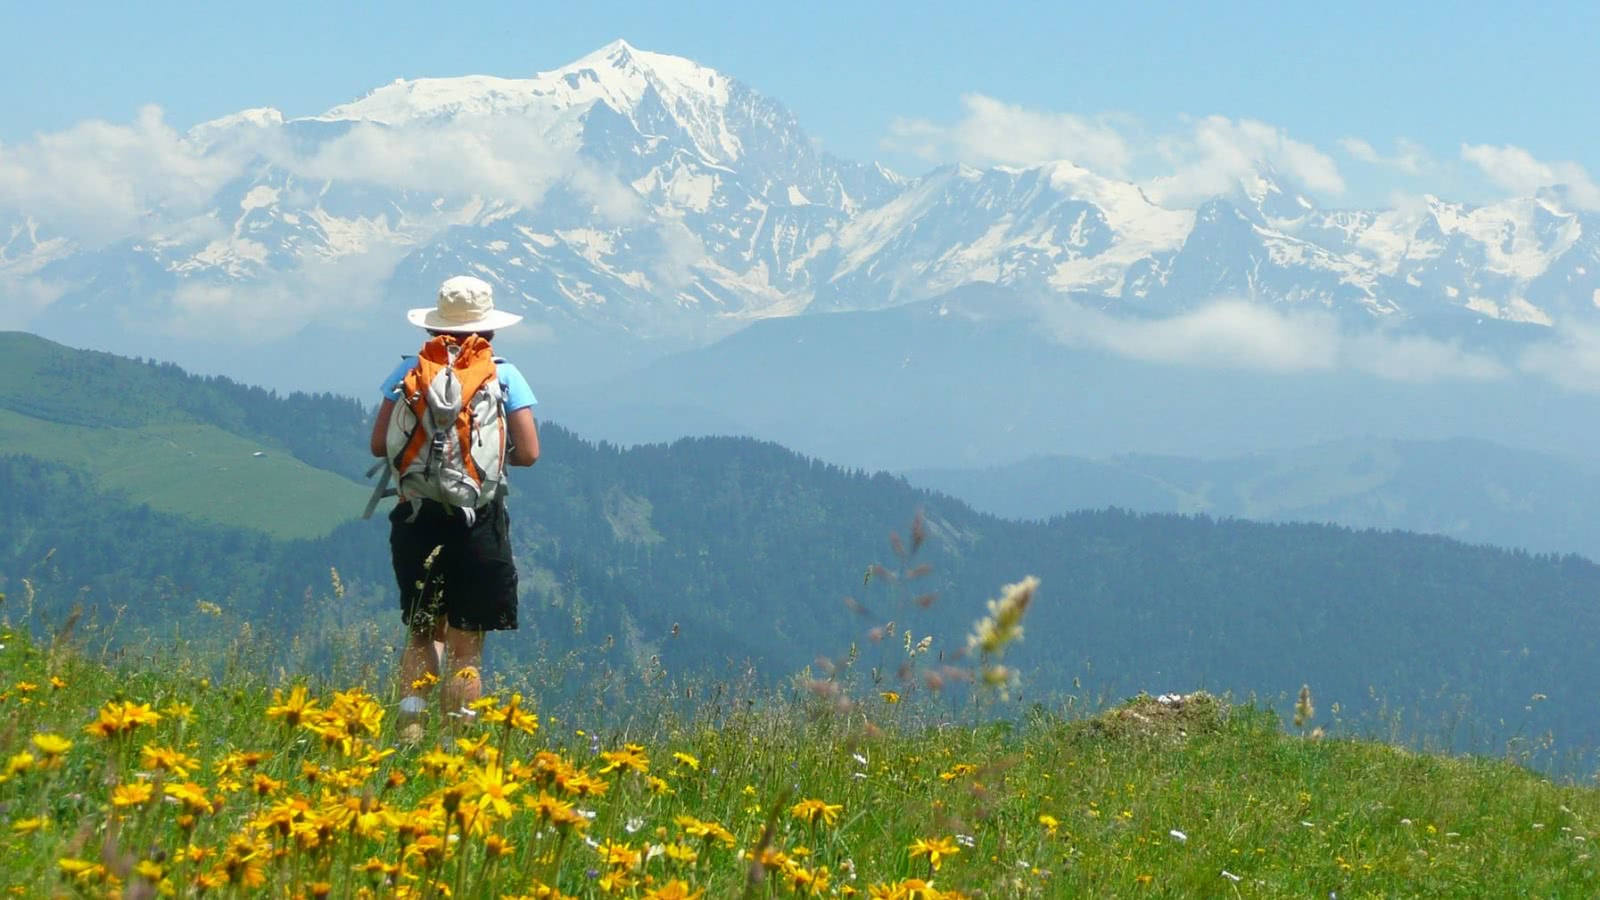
644, 195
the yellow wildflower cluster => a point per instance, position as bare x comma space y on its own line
325, 804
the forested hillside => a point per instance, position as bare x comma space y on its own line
708, 554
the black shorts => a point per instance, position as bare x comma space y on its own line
472, 581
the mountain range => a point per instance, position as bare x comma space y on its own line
633, 204
1469, 490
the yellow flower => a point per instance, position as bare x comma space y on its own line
705, 830
1145, 879
687, 760
681, 852
910, 889
657, 785
467, 673
293, 709
81, 869
579, 783
958, 770
619, 855
492, 787
629, 757
180, 710
119, 718
51, 745
935, 849
132, 793
149, 870
178, 763
890, 697
191, 795
440, 764
511, 715
26, 687
21, 762
812, 882
29, 826
56, 682
675, 890
424, 681
236, 761
812, 810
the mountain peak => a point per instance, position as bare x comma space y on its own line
619, 54
618, 74
207, 133
1278, 201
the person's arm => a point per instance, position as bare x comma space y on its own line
379, 442
524, 434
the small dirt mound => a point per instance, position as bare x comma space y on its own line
1169, 717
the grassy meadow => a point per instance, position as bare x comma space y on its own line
196, 773
197, 471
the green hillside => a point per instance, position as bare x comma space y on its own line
734, 555
197, 471
188, 446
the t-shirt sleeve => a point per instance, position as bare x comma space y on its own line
518, 394
391, 384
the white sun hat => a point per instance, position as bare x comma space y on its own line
466, 305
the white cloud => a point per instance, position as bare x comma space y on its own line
1211, 157
1228, 334
256, 312
1409, 158
1518, 171
98, 180
1570, 359
1234, 334
992, 131
1418, 359
1219, 152
505, 159
25, 298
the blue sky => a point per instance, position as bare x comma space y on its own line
864, 76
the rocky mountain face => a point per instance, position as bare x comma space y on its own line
643, 197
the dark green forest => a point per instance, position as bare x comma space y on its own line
714, 554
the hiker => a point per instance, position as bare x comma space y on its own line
449, 538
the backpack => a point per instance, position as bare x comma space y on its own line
447, 435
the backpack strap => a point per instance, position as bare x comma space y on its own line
382, 489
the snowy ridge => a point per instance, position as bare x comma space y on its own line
617, 75
669, 200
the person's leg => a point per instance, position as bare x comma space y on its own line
420, 658
463, 681
482, 597
414, 548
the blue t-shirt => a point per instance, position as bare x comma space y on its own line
518, 394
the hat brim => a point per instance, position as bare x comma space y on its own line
428, 317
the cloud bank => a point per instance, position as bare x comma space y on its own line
1239, 335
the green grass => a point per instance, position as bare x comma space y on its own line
194, 470
1142, 800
